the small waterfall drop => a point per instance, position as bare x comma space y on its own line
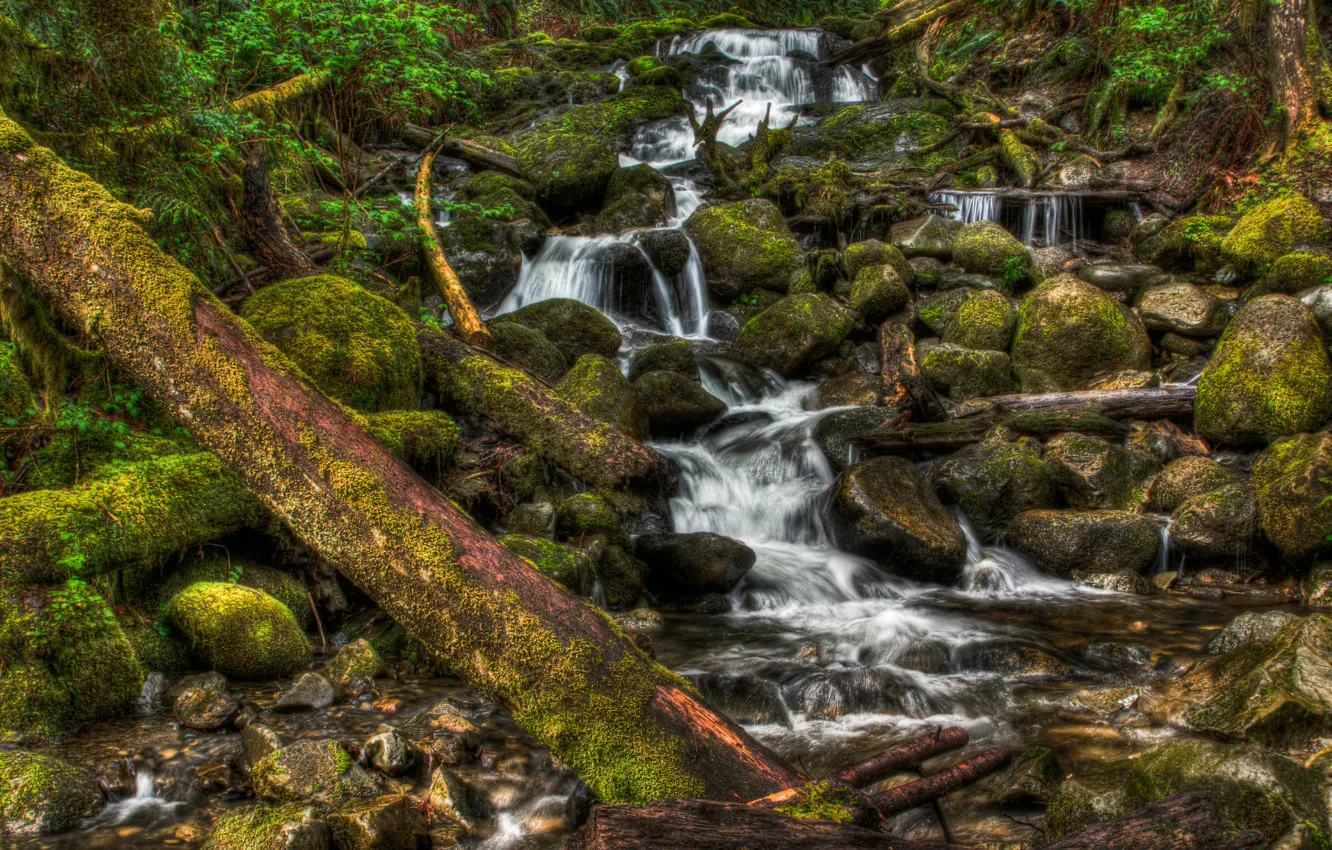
1043, 218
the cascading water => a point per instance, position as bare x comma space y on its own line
1046, 218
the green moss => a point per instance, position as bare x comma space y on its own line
963, 373
359, 348
745, 245
600, 33
1292, 483
984, 320
74, 457
1269, 230
1293, 273
357, 660
40, 794
597, 387
150, 590
872, 132
793, 333
586, 515
564, 564
427, 439
821, 801
984, 247
877, 292
18, 403
312, 770
241, 631
873, 252
642, 65
261, 827
726, 20
1193, 242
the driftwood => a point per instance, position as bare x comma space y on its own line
261, 221
1186, 821
1112, 404
903, 797
464, 315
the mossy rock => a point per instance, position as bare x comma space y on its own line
980, 319
622, 577
64, 662
427, 439
571, 326
1184, 478
242, 632
1255, 789
983, 247
994, 480
793, 334
1292, 484
1188, 244
675, 355
839, 25
357, 660
263, 827
852, 389
1069, 331
151, 590
1269, 230
596, 386
666, 76
1292, 274
563, 564
872, 252
587, 515
1093, 472
43, 795
1269, 377
1064, 542
638, 196
1221, 524
359, 348
929, 236
1033, 777
600, 33
877, 292
963, 373
675, 404
725, 20
312, 771
529, 348
745, 245
485, 243
877, 133
1249, 627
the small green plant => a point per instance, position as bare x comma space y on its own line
1015, 271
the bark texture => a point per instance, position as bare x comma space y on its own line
1301, 79
261, 220
1181, 822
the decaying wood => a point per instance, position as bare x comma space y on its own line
904, 387
705, 139
903, 797
903, 23
959, 433
261, 221
1186, 821
461, 310
1113, 404
467, 150
632, 729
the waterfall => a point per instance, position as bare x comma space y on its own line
850, 86
1047, 218
971, 206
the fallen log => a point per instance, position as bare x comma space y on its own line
904, 797
1112, 404
631, 729
1184, 821
959, 433
464, 315
465, 149
700, 825
904, 22
261, 221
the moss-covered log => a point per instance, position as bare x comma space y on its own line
632, 730
526, 410
464, 315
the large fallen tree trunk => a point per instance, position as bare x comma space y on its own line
1184, 821
633, 730
903, 23
1113, 404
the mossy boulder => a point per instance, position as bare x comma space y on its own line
1092, 472
638, 196
1184, 478
152, 589
530, 349
1292, 274
980, 319
312, 770
358, 347
1221, 524
994, 480
1251, 626
674, 404
1269, 377
963, 373
891, 132
487, 237
1033, 777
64, 662
1183, 308
288, 827
927, 236
793, 334
725, 20
1188, 244
983, 247
242, 632
622, 577
1255, 789
596, 386
745, 245
427, 439
1068, 332
564, 564
43, 795
1064, 542
571, 326
357, 660
883, 509
1270, 230
385, 823
1292, 484
674, 355
872, 252
877, 292
586, 515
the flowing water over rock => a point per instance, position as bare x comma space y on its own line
1037, 218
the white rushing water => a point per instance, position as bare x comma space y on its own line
1047, 218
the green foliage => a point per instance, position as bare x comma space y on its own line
1151, 44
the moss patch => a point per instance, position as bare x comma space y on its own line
241, 631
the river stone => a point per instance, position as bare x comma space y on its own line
1118, 582
638, 196
597, 387
983, 247
241, 631
444, 733
1258, 789
745, 245
877, 292
1269, 230
309, 692
1261, 626
43, 795
1033, 777
674, 355
385, 823
855, 388
622, 577
197, 708
1069, 332
793, 334
675, 404
566, 565
210, 681
962, 373
633, 294
723, 325
1270, 376
312, 770
1062, 542
452, 799
1094, 473
388, 752
1292, 484
487, 252
994, 480
883, 509
257, 742
530, 349
928, 236
1185, 478
265, 827
356, 660
1182, 308
668, 249
571, 326
687, 566
872, 252
1277, 692
1220, 524
1127, 278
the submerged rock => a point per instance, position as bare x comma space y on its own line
1033, 777
264, 827
745, 245
793, 334
1069, 332
241, 631
686, 566
388, 752
1062, 542
42, 795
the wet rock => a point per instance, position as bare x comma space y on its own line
1069, 332
1094, 473
1064, 542
264, 827
675, 355
856, 389
962, 373
745, 245
1258, 789
1250, 626
1019, 660
1316, 589
356, 660
197, 708
533, 519
1164, 440
596, 386
1270, 376
793, 334
682, 567
1118, 654
622, 577
571, 326
883, 509
1269, 230
241, 631
309, 692
1184, 478
257, 743
385, 823
833, 433
638, 196
210, 681
1033, 777
929, 272
388, 752
1292, 483
871, 252
1182, 308
587, 514
42, 795
979, 319
927, 236
723, 325
1127, 278
566, 565
994, 480
530, 349
668, 250
444, 733
877, 291
1173, 343
1118, 224
1118, 582
451, 799
1222, 524
744, 698
675, 404
312, 770
983, 247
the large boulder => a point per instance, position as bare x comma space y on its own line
963, 373
1270, 376
385, 823
358, 347
872, 252
983, 247
312, 770
1184, 478
530, 349
674, 355
1069, 331
745, 245
1270, 230
682, 567
1181, 307
675, 404
927, 236
982, 319
639, 196
1064, 542
42, 795
242, 632
1221, 524
994, 480
597, 387
571, 326
883, 509
1293, 274
793, 333
566, 565
1094, 473
1292, 484
877, 133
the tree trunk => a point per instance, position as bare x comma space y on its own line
633, 730
1113, 404
1184, 821
261, 221
1298, 65
464, 315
